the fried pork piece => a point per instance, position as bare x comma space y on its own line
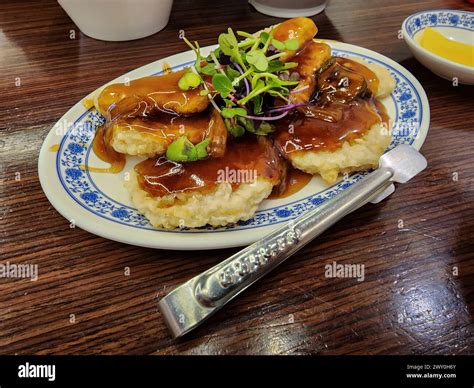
152, 95
360, 154
151, 136
310, 60
301, 29
214, 192
347, 129
386, 83
365, 137
315, 59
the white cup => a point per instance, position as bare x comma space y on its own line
289, 8
116, 20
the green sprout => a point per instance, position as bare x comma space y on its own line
182, 150
251, 69
189, 80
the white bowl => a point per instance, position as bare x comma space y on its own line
117, 20
456, 25
289, 8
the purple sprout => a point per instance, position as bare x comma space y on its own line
287, 107
270, 118
299, 89
247, 85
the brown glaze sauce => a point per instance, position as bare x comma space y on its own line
310, 60
345, 122
244, 160
105, 152
301, 29
169, 127
147, 105
158, 93
208, 124
344, 110
359, 68
344, 80
295, 181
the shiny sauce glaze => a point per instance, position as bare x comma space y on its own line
295, 180
359, 68
153, 94
329, 128
343, 109
167, 128
245, 159
302, 29
310, 60
149, 104
105, 152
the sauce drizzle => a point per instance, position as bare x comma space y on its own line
343, 109
245, 160
295, 181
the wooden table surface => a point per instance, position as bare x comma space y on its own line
417, 246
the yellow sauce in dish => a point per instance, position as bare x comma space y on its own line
436, 43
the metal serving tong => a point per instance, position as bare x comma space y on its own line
196, 300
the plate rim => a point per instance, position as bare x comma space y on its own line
192, 240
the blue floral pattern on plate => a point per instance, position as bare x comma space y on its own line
74, 152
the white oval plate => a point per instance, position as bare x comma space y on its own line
100, 204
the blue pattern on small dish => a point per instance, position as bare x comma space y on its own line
439, 18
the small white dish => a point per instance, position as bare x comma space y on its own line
455, 25
100, 204
289, 8
118, 20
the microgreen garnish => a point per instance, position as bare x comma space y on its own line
247, 76
228, 113
182, 150
222, 84
258, 59
234, 128
209, 69
257, 104
201, 150
291, 44
278, 45
231, 73
197, 51
189, 80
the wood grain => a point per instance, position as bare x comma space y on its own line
411, 302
